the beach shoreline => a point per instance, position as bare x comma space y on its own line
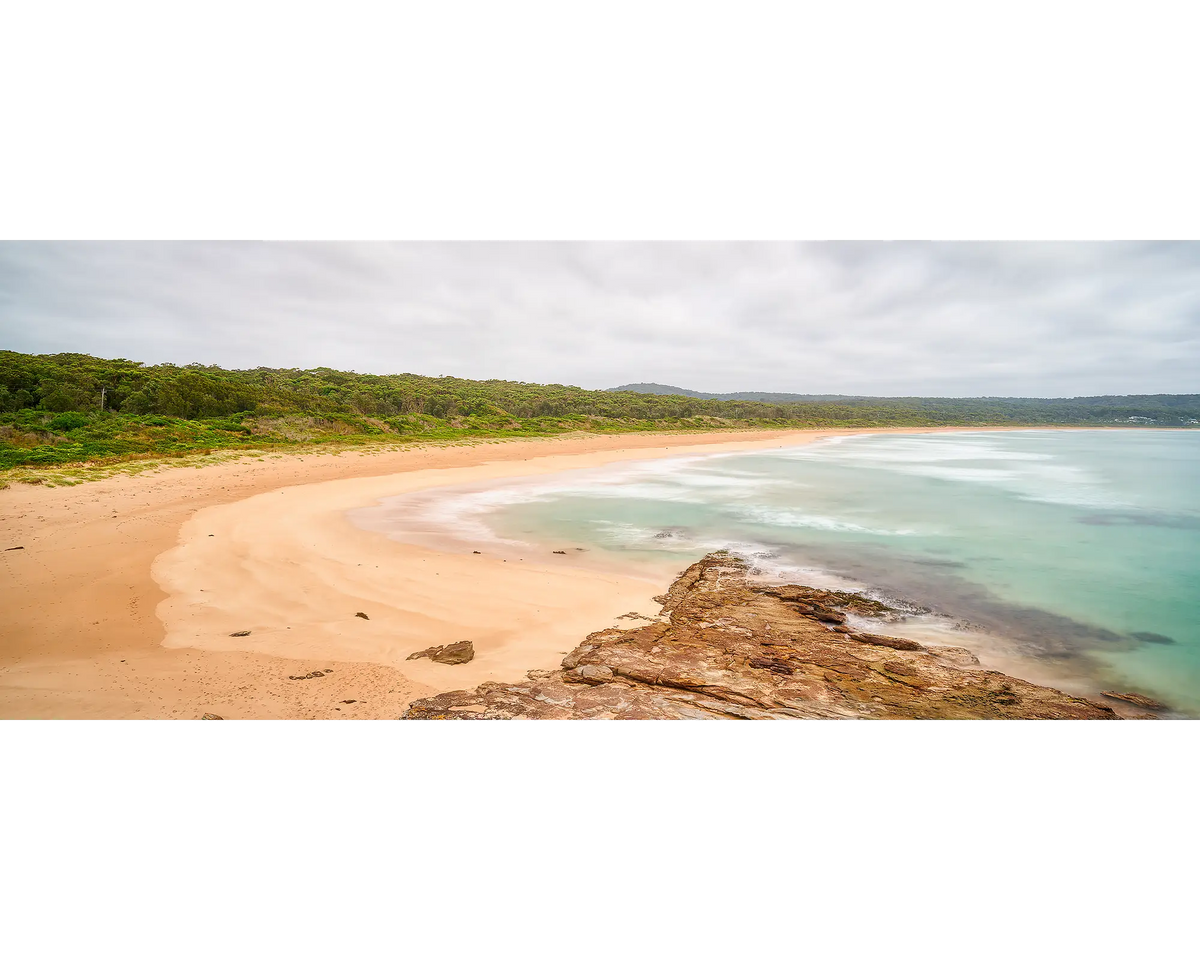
123, 597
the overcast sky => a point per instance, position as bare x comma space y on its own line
947, 319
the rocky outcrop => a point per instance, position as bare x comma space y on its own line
461, 652
728, 646
1137, 699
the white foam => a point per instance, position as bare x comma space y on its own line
962, 474
1059, 483
1040, 477
912, 450
782, 517
645, 538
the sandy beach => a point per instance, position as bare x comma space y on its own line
122, 601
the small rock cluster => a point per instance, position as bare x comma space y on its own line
312, 676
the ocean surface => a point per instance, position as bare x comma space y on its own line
1070, 557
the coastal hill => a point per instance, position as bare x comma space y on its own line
663, 390
67, 408
726, 646
1162, 409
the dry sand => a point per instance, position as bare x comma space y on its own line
122, 601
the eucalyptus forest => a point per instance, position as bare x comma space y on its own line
69, 408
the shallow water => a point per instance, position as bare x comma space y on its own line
1081, 548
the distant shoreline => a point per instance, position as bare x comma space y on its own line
84, 632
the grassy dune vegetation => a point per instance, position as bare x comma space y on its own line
71, 408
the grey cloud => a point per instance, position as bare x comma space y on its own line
877, 318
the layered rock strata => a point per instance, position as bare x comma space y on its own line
728, 646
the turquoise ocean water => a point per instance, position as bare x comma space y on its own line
1081, 549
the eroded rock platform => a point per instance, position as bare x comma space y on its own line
728, 646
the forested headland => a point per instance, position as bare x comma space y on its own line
69, 408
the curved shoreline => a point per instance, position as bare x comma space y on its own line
82, 638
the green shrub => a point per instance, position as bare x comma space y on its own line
71, 420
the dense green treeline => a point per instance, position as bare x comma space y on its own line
64, 408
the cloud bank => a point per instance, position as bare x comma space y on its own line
887, 319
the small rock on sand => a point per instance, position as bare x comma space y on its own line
452, 653
363, 615
241, 633
211, 716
